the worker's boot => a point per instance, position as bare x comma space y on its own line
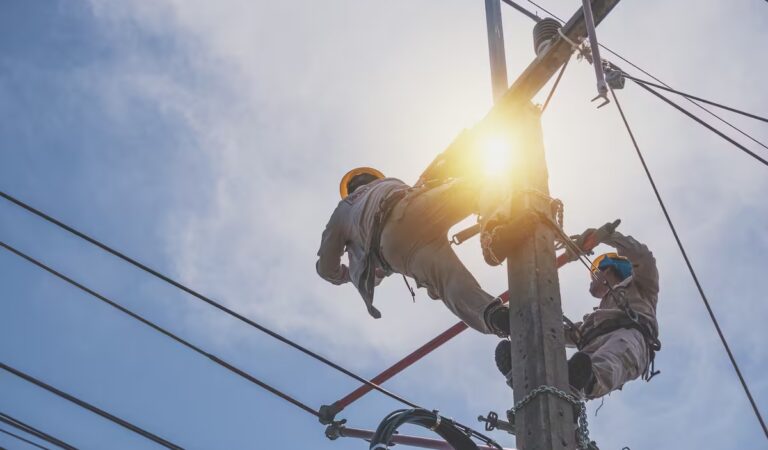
504, 360
498, 320
580, 373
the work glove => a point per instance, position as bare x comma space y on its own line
591, 238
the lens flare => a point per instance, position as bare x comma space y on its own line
497, 156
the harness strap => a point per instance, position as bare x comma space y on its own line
652, 343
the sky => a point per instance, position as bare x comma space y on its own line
206, 139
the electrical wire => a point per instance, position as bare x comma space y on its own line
205, 299
522, 10
690, 266
83, 404
29, 429
458, 436
699, 99
702, 123
162, 330
645, 72
26, 441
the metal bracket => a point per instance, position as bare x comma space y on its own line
492, 422
335, 429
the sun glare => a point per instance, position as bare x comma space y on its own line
497, 155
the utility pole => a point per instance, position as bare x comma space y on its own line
538, 346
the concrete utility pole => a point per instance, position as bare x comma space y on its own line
538, 347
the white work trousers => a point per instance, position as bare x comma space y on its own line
414, 243
617, 357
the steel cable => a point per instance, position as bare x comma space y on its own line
202, 297
645, 72
162, 330
699, 99
701, 122
690, 266
22, 439
83, 404
29, 429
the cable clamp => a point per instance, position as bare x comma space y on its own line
438, 419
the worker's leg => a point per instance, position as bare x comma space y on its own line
436, 267
414, 243
429, 213
617, 357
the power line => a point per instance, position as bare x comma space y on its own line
202, 297
159, 329
645, 72
83, 404
29, 429
701, 122
690, 267
27, 441
689, 96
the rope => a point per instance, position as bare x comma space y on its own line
27, 441
734, 127
18, 424
690, 267
161, 330
709, 102
582, 431
202, 297
93, 409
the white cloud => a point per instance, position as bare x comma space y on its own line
292, 93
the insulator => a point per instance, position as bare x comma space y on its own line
543, 32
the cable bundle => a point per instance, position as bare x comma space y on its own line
458, 437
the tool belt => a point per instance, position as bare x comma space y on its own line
652, 343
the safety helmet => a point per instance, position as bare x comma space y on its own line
344, 185
621, 264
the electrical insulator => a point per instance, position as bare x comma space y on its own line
543, 33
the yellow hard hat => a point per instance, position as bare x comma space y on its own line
343, 186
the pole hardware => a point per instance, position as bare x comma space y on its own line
597, 63
543, 33
327, 413
492, 422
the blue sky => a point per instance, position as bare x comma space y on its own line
207, 138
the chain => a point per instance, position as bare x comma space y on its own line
582, 432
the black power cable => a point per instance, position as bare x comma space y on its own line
699, 99
458, 436
22, 439
83, 404
690, 267
645, 72
702, 123
202, 297
162, 330
29, 429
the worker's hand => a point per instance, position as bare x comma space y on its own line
591, 238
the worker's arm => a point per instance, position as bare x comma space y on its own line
572, 335
644, 271
332, 246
